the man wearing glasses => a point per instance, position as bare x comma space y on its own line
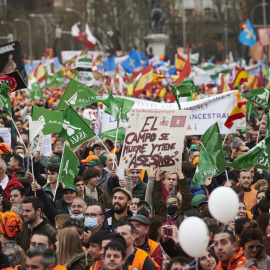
94, 219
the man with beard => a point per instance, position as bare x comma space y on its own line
225, 247
121, 201
32, 211
245, 180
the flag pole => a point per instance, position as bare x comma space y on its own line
115, 144
225, 137
107, 151
60, 169
19, 134
260, 127
32, 166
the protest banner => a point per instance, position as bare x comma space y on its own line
154, 137
67, 55
205, 112
6, 135
46, 146
11, 59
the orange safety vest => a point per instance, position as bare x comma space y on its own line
139, 259
153, 245
96, 266
59, 267
10, 268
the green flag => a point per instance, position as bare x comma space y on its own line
224, 71
260, 96
87, 121
53, 120
252, 112
57, 79
35, 91
111, 134
211, 159
258, 157
75, 130
184, 89
68, 167
49, 81
5, 101
117, 107
77, 95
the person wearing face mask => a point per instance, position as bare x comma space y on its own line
78, 208
169, 193
94, 219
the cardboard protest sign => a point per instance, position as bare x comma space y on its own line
11, 59
154, 137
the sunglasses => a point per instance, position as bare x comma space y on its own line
251, 247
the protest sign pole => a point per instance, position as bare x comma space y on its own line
114, 163
260, 127
19, 134
225, 137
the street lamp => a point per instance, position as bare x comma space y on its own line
253, 9
45, 26
13, 25
29, 33
184, 23
75, 11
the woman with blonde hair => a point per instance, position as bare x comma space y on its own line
70, 251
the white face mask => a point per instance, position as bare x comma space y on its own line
80, 216
91, 223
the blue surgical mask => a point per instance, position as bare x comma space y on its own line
80, 216
91, 223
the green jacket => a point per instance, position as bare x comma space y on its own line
103, 198
80, 261
159, 204
139, 190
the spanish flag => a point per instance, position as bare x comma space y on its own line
235, 114
145, 82
186, 69
254, 83
179, 62
241, 76
40, 74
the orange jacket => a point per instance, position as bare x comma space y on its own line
139, 259
96, 266
153, 246
237, 260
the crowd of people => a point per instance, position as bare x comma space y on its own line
115, 219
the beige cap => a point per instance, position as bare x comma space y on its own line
127, 192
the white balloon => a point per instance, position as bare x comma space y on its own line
223, 204
193, 236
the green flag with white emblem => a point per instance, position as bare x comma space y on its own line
35, 91
77, 95
260, 96
68, 167
52, 119
75, 130
258, 157
211, 159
